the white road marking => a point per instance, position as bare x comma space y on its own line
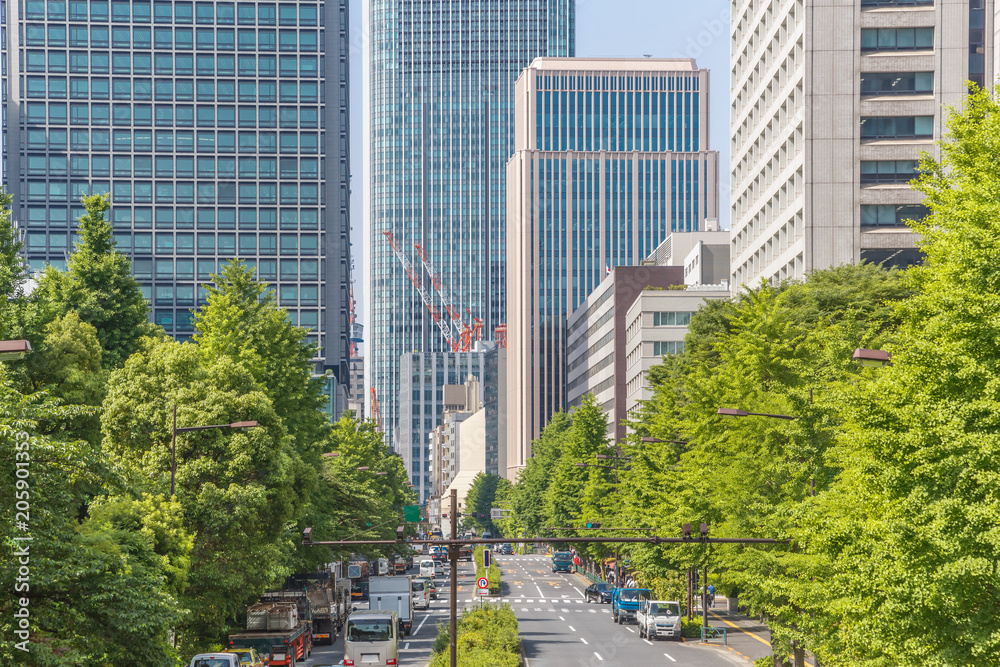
670, 657
571, 628
577, 590
422, 623
540, 593
630, 630
592, 611
561, 618
648, 642
406, 646
583, 640
598, 656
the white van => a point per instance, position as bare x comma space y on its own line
426, 567
421, 594
372, 637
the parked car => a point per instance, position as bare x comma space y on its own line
659, 618
215, 660
600, 592
248, 657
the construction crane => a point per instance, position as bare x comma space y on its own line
470, 333
436, 281
376, 411
415, 279
501, 336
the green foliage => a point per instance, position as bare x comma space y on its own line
480, 500
98, 593
486, 635
98, 286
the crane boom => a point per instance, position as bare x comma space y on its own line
415, 279
425, 259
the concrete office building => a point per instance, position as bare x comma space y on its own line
356, 389
439, 122
218, 128
611, 156
832, 104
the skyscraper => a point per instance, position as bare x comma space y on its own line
218, 128
611, 155
832, 105
439, 124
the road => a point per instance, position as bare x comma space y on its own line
557, 627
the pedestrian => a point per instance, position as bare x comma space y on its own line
711, 596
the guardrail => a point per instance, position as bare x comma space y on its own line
592, 578
708, 634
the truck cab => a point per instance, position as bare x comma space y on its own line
562, 561
625, 603
659, 618
371, 638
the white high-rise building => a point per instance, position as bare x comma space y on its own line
832, 104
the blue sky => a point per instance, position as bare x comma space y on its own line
622, 28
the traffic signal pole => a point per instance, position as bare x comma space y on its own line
453, 556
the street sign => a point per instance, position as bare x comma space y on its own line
484, 586
487, 558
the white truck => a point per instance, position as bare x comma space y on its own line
659, 618
393, 594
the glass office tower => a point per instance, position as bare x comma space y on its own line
611, 156
218, 128
439, 134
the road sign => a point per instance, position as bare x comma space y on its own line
487, 558
484, 586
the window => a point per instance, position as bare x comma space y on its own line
897, 127
875, 4
877, 172
667, 347
681, 319
887, 215
896, 83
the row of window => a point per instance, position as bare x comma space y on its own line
202, 269
876, 172
888, 215
876, 4
181, 39
896, 83
183, 295
208, 167
676, 319
897, 39
182, 320
141, 217
897, 127
164, 11
667, 347
207, 244
139, 89
102, 62
141, 141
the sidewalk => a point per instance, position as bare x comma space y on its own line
747, 636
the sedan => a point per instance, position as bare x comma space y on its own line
598, 592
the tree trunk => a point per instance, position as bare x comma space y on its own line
799, 654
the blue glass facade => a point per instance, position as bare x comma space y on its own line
218, 128
440, 132
611, 156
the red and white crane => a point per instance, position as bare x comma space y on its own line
415, 279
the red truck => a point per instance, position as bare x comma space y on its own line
275, 631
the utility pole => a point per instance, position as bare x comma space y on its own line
704, 602
453, 557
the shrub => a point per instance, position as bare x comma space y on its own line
492, 573
486, 637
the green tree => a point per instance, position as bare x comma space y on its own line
98, 286
236, 488
533, 481
911, 529
480, 500
98, 591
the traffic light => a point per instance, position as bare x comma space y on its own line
686, 531
704, 531
307, 536
593, 524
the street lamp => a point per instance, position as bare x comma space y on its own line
331, 455
187, 429
872, 358
734, 412
12, 350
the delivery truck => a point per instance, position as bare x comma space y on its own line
393, 594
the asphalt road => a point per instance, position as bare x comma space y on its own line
557, 627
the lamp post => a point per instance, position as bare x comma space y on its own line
187, 429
